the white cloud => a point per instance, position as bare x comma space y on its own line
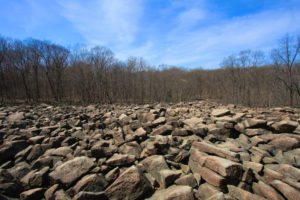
208, 45
197, 36
104, 22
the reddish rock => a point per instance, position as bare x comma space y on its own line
212, 149
212, 177
224, 167
131, 184
91, 183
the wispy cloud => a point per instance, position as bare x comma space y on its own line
105, 22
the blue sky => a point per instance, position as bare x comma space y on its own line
185, 33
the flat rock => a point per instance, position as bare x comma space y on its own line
70, 171
220, 112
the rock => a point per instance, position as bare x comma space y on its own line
180, 192
196, 160
83, 195
212, 149
70, 171
33, 194
270, 175
285, 143
10, 189
62, 151
205, 191
162, 130
158, 121
167, 177
212, 177
187, 180
49, 193
193, 122
266, 191
285, 126
91, 183
120, 160
112, 174
103, 149
179, 132
255, 123
39, 178
220, 112
131, 184
131, 148
289, 171
19, 170
15, 117
288, 191
224, 167
60, 195
9, 149
241, 194
153, 165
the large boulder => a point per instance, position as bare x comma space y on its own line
70, 171
131, 184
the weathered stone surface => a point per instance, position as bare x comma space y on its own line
220, 112
212, 177
120, 159
193, 122
33, 194
71, 170
205, 191
241, 194
180, 192
288, 191
212, 149
153, 165
285, 143
187, 180
166, 177
224, 167
266, 191
131, 184
162, 130
91, 183
285, 126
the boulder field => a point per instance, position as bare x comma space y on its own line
198, 150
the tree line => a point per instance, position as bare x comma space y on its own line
40, 71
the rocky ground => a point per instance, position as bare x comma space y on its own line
199, 150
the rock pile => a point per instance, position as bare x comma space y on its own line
199, 150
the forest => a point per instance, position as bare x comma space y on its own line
40, 71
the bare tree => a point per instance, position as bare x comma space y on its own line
284, 58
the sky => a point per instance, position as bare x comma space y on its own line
183, 33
